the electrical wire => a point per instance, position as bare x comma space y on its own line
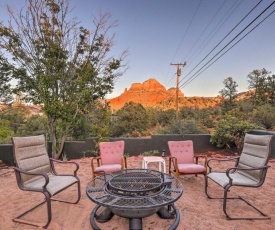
205, 29
190, 23
222, 22
194, 77
225, 38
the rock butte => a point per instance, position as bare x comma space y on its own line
153, 94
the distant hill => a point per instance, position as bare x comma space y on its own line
153, 94
33, 109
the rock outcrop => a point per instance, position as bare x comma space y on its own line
149, 93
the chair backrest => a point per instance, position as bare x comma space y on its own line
182, 150
256, 153
30, 154
111, 152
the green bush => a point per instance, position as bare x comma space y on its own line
150, 153
5, 132
230, 132
182, 127
264, 115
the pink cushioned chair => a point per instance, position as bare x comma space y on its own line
183, 160
111, 158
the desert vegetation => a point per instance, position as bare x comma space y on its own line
227, 121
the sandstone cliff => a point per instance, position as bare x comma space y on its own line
149, 93
153, 94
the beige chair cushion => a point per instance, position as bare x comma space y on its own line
56, 183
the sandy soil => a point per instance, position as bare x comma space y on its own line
196, 210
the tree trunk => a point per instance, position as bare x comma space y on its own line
61, 147
53, 135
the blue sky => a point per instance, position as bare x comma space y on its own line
160, 32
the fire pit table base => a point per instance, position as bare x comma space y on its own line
134, 223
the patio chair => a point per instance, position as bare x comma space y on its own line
249, 171
183, 160
35, 172
111, 158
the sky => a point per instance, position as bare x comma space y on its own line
160, 32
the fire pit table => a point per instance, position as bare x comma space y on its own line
134, 194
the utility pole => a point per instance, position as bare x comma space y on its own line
177, 85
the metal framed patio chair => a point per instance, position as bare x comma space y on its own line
111, 158
183, 160
249, 171
35, 172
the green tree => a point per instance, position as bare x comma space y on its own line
17, 115
5, 86
153, 115
264, 115
203, 116
230, 132
236, 112
229, 93
5, 132
271, 88
166, 116
182, 127
186, 112
58, 63
34, 125
257, 83
131, 118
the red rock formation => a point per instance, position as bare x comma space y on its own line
149, 93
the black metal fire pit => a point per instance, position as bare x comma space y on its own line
135, 194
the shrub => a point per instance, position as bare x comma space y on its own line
264, 115
150, 153
230, 132
183, 127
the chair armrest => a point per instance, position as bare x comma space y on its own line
64, 162
97, 159
242, 169
124, 162
222, 160
202, 156
20, 183
174, 161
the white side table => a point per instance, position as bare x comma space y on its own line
160, 160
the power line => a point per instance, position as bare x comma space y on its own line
225, 37
187, 30
197, 8
194, 77
222, 22
205, 29
227, 44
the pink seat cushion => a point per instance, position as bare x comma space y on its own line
191, 168
108, 168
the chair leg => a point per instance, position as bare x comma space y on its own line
266, 217
48, 200
49, 213
225, 198
206, 187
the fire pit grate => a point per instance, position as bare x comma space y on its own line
135, 193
